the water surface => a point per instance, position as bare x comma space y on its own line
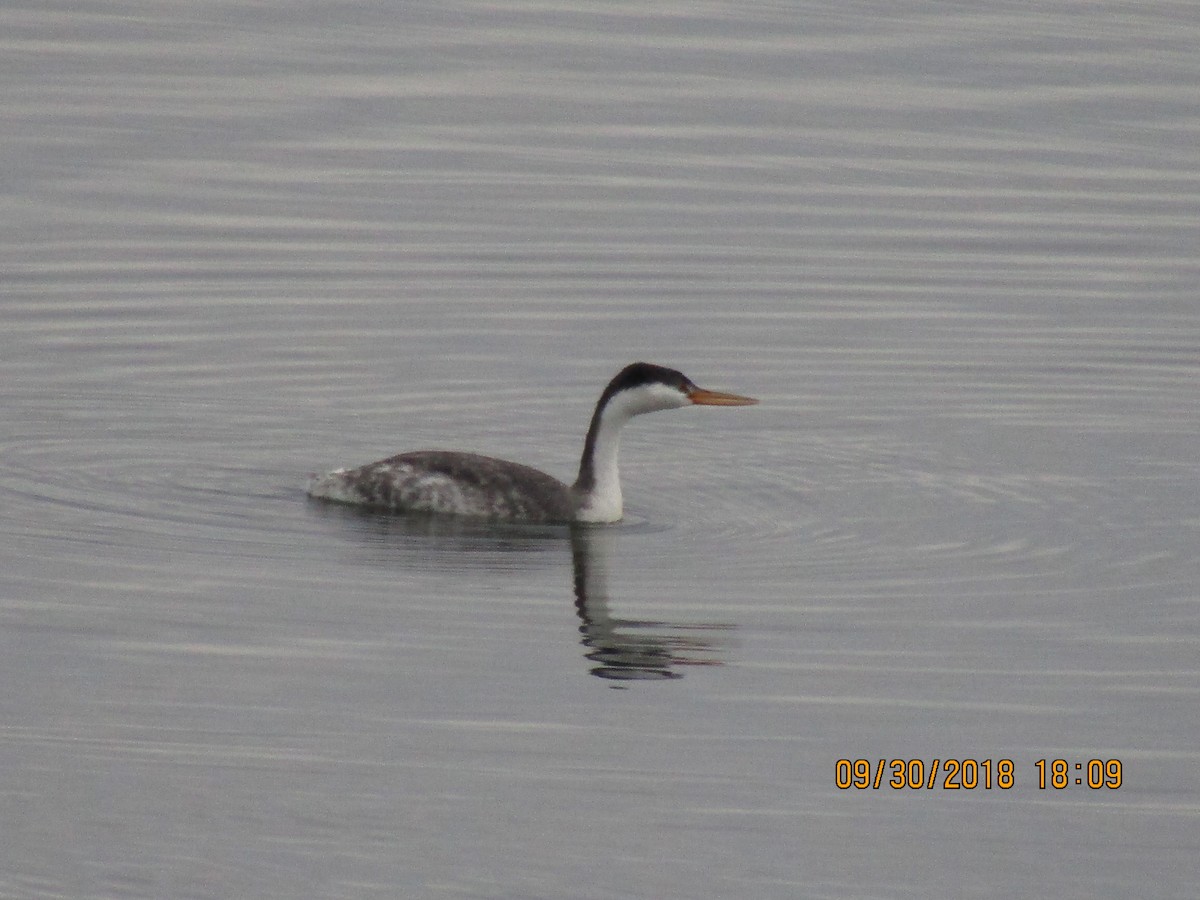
952, 249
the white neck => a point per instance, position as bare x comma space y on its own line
602, 502
599, 486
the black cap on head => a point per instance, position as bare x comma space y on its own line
640, 373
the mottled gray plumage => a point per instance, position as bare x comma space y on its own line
443, 481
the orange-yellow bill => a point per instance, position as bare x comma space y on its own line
715, 398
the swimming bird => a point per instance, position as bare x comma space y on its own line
467, 484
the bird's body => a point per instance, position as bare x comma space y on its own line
446, 481
443, 481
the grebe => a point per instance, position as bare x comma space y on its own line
441, 481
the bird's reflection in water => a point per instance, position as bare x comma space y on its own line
619, 650
632, 649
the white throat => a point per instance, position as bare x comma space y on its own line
602, 501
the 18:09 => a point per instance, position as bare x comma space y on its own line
1100, 773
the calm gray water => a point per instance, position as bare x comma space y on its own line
953, 249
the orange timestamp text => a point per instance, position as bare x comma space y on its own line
953, 774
